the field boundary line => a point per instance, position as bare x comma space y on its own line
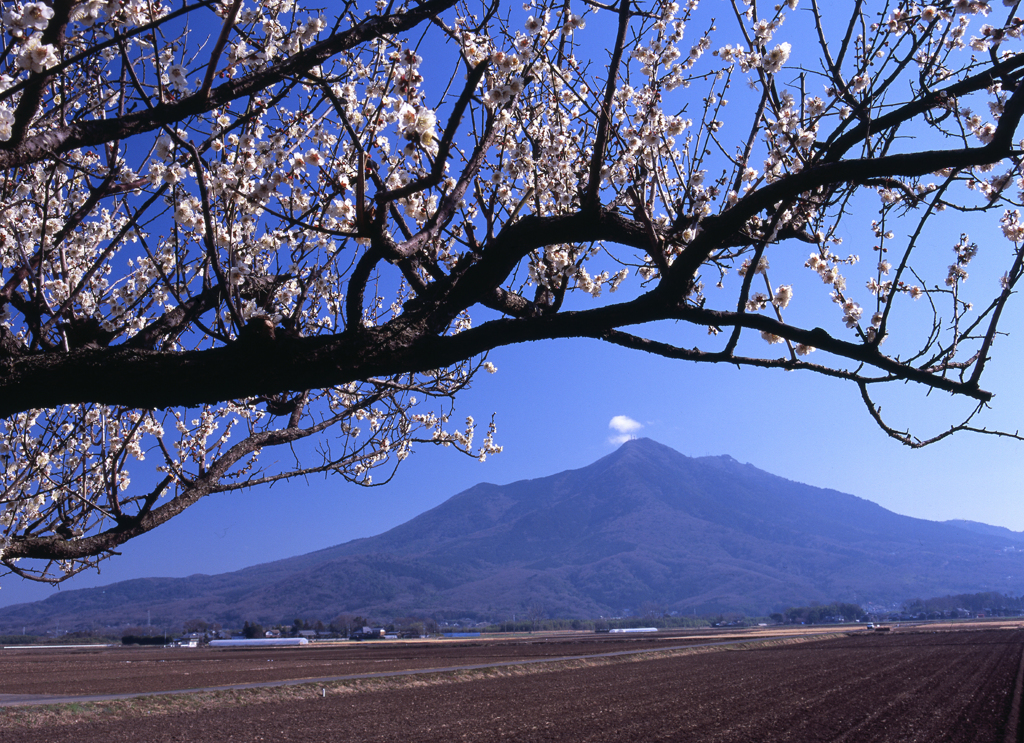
27, 700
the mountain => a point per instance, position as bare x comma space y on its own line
642, 528
979, 528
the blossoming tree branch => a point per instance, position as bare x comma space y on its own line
227, 226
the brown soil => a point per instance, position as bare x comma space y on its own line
140, 669
934, 686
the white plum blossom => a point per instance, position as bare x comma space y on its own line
757, 302
177, 78
37, 56
851, 313
762, 266
6, 122
1012, 227
36, 16
782, 296
536, 25
986, 133
957, 273
776, 58
237, 275
418, 124
31, 16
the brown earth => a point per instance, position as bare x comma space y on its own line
101, 670
915, 686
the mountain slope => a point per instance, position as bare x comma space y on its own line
979, 528
642, 528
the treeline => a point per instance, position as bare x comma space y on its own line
344, 625
18, 639
603, 625
821, 614
69, 638
989, 602
143, 640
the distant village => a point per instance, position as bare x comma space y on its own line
199, 633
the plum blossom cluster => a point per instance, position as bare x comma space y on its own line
58, 464
965, 251
826, 264
464, 439
123, 266
1013, 228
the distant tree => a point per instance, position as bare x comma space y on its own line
230, 227
914, 605
849, 612
195, 625
253, 631
21, 639
341, 624
972, 602
142, 640
651, 611
535, 612
410, 626
818, 613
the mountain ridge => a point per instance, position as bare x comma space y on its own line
643, 526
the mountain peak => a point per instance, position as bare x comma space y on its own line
644, 525
651, 447
648, 445
641, 442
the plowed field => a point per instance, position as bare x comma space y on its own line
920, 686
132, 669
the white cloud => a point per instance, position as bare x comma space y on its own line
625, 426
